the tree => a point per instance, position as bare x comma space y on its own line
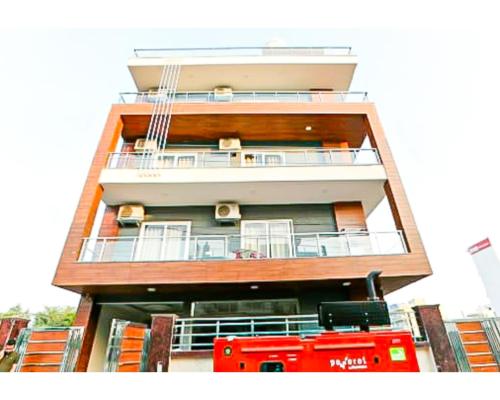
55, 316
16, 311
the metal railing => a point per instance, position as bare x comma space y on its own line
249, 97
244, 51
234, 247
198, 333
245, 158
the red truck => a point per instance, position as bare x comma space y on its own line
363, 351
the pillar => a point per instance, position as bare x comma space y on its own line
10, 329
160, 346
431, 322
87, 316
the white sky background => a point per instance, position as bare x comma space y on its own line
437, 93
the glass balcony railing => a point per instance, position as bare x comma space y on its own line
247, 97
244, 159
244, 51
234, 247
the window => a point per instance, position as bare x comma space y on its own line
163, 241
262, 159
266, 239
176, 160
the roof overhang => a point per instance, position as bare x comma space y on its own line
289, 72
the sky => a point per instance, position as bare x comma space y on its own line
436, 91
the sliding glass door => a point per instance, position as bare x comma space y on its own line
163, 241
262, 159
267, 239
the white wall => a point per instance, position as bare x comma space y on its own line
425, 358
98, 354
178, 364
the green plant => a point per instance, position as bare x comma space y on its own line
16, 311
55, 316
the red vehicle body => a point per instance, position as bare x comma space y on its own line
379, 351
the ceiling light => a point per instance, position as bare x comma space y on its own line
346, 284
308, 128
254, 287
151, 289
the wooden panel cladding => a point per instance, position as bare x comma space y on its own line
473, 337
477, 348
335, 144
131, 347
39, 368
252, 128
92, 192
485, 369
44, 351
49, 335
251, 121
56, 346
109, 226
396, 196
398, 270
469, 326
349, 215
43, 358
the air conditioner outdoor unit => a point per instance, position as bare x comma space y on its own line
227, 212
223, 93
130, 215
229, 144
145, 145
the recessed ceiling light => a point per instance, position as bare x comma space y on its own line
254, 287
151, 289
346, 284
309, 128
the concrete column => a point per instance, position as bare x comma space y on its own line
87, 315
160, 346
10, 328
431, 322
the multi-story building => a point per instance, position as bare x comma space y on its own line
235, 187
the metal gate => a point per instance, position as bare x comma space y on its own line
128, 347
49, 349
476, 343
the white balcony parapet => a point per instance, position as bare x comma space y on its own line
261, 96
249, 158
236, 247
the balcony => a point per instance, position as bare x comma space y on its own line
248, 97
305, 176
238, 247
247, 68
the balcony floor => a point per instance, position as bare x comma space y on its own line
272, 185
